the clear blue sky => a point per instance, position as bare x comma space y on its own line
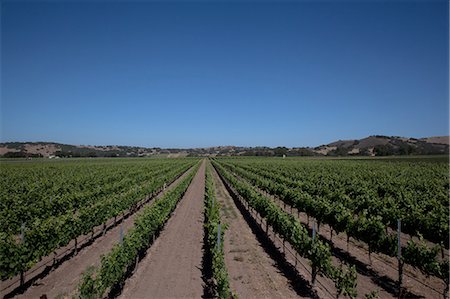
194, 74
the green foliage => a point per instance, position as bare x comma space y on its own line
371, 295
296, 234
362, 206
123, 255
212, 221
424, 258
57, 202
346, 281
87, 285
21, 154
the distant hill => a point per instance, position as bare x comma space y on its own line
51, 149
379, 145
370, 146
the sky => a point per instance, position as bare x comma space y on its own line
208, 73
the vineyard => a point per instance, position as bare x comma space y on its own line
46, 205
363, 200
227, 227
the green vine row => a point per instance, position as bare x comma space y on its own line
290, 229
367, 228
215, 250
43, 236
96, 282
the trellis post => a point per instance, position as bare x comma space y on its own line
22, 241
314, 272
218, 237
121, 234
399, 257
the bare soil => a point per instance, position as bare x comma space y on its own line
172, 267
252, 272
437, 139
4, 150
379, 272
63, 280
44, 149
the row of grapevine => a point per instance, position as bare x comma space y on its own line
416, 193
290, 229
45, 235
32, 192
114, 265
367, 228
214, 231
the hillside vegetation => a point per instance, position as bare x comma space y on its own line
370, 146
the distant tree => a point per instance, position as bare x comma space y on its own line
405, 149
339, 151
21, 154
384, 150
280, 151
91, 154
364, 151
301, 152
15, 155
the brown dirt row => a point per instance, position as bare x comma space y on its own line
381, 269
172, 267
371, 272
64, 278
404, 238
252, 271
379, 272
366, 282
296, 268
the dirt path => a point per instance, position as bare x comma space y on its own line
378, 273
404, 237
64, 279
172, 267
253, 274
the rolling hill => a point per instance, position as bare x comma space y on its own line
376, 145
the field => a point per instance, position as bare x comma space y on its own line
223, 227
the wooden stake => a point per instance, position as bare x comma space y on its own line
399, 258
